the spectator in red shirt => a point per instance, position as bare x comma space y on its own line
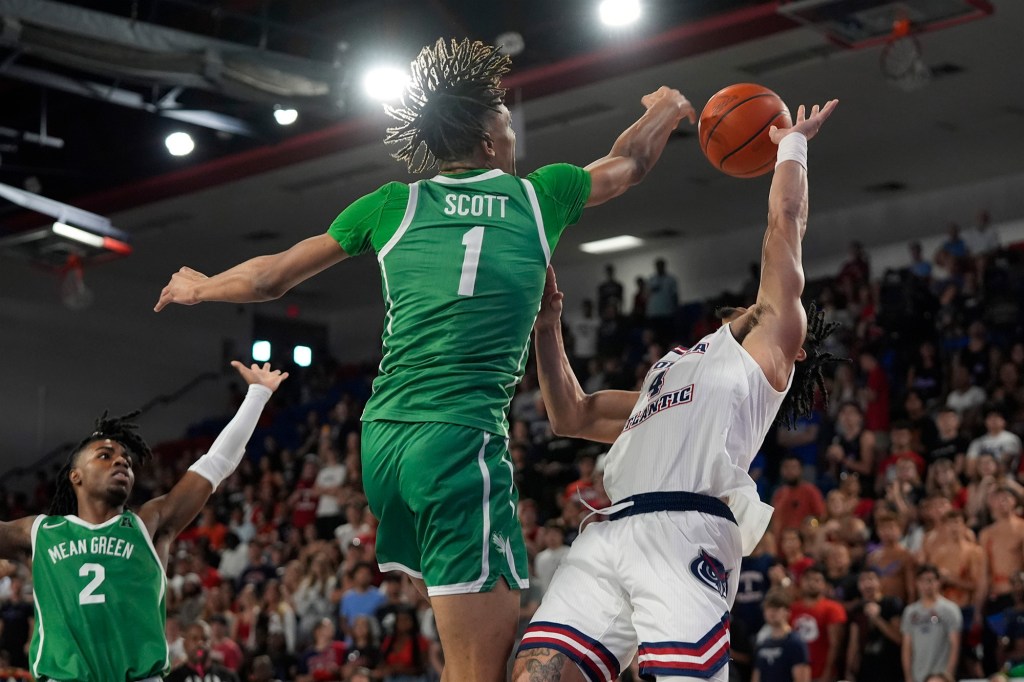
820, 622
404, 653
304, 500
583, 487
901, 439
875, 394
795, 499
791, 551
210, 528
855, 270
222, 648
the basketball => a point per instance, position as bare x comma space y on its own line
733, 129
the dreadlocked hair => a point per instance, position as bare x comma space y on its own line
443, 114
117, 429
807, 374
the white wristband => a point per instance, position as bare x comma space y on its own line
227, 451
793, 148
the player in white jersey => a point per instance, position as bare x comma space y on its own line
660, 576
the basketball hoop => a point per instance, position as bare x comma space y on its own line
73, 292
901, 60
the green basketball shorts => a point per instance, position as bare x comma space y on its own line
446, 503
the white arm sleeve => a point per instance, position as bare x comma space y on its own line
227, 451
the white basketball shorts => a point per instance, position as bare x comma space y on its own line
662, 582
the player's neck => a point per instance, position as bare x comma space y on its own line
460, 168
97, 511
464, 166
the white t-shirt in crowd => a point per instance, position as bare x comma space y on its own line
331, 476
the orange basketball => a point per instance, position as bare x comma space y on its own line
733, 129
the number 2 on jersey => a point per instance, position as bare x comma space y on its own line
87, 595
473, 241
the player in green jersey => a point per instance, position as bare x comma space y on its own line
99, 568
462, 258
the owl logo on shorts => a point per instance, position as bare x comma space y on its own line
710, 571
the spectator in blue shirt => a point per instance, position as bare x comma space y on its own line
362, 599
781, 655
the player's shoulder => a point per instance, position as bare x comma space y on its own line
558, 173
390, 191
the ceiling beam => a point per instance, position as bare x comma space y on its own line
127, 98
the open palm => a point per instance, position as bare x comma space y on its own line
264, 376
808, 125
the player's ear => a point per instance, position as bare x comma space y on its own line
801, 355
488, 146
74, 473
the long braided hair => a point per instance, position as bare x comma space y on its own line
807, 374
117, 429
454, 87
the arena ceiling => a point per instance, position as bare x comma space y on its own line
242, 193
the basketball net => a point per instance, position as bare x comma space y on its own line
73, 292
901, 59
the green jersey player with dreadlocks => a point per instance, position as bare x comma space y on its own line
462, 258
98, 567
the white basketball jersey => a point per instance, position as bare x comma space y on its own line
700, 419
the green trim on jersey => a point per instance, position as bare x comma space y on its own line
99, 601
462, 261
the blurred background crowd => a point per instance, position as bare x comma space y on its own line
897, 501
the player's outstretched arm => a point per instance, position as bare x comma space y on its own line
168, 515
16, 537
263, 278
783, 321
639, 147
599, 416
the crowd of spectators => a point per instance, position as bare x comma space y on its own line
896, 550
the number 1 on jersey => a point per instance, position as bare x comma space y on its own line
473, 241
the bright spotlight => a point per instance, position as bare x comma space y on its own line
180, 144
303, 356
386, 83
619, 12
285, 117
261, 351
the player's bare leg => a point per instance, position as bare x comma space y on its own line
545, 665
420, 586
477, 633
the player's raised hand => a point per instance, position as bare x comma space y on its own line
264, 376
809, 125
181, 289
673, 96
550, 314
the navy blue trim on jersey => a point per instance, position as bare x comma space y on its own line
645, 503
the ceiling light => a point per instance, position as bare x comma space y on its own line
385, 83
285, 117
78, 235
619, 12
261, 351
510, 43
620, 243
180, 144
303, 356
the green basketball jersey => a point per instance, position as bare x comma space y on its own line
99, 601
462, 271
